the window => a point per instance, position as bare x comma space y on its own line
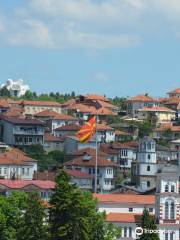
150, 209
28, 171
166, 188
23, 171
166, 236
172, 188
5, 171
89, 170
166, 210
130, 231
148, 184
130, 209
172, 208
0, 171
149, 157
148, 168
125, 231
171, 236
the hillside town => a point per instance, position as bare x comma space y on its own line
130, 163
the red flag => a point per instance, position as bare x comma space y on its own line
87, 130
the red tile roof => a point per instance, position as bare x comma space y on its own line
125, 198
96, 97
119, 133
89, 160
70, 127
77, 174
15, 157
142, 98
177, 90
41, 103
103, 127
167, 126
14, 112
4, 103
90, 151
123, 217
50, 138
19, 184
54, 115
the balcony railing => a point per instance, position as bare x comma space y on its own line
28, 132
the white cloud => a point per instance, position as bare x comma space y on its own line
31, 33
91, 24
101, 77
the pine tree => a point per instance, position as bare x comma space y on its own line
148, 223
73, 213
33, 225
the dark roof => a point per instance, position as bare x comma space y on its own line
24, 121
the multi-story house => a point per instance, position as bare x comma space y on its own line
34, 107
20, 131
54, 120
52, 143
43, 188
15, 164
121, 153
104, 133
175, 93
105, 169
125, 210
136, 103
157, 115
167, 131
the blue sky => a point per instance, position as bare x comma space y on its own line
111, 47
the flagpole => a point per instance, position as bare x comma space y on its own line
96, 160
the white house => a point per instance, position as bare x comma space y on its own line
17, 88
139, 102
15, 164
43, 188
125, 210
105, 169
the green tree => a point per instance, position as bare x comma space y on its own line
148, 223
4, 92
56, 158
74, 214
33, 225
145, 129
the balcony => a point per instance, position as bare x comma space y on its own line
28, 132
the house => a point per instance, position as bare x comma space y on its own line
71, 129
104, 133
125, 210
105, 169
43, 188
34, 107
122, 136
15, 164
16, 88
52, 143
121, 153
167, 131
88, 105
81, 179
138, 102
4, 105
21, 131
157, 115
174, 93
54, 120
178, 112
